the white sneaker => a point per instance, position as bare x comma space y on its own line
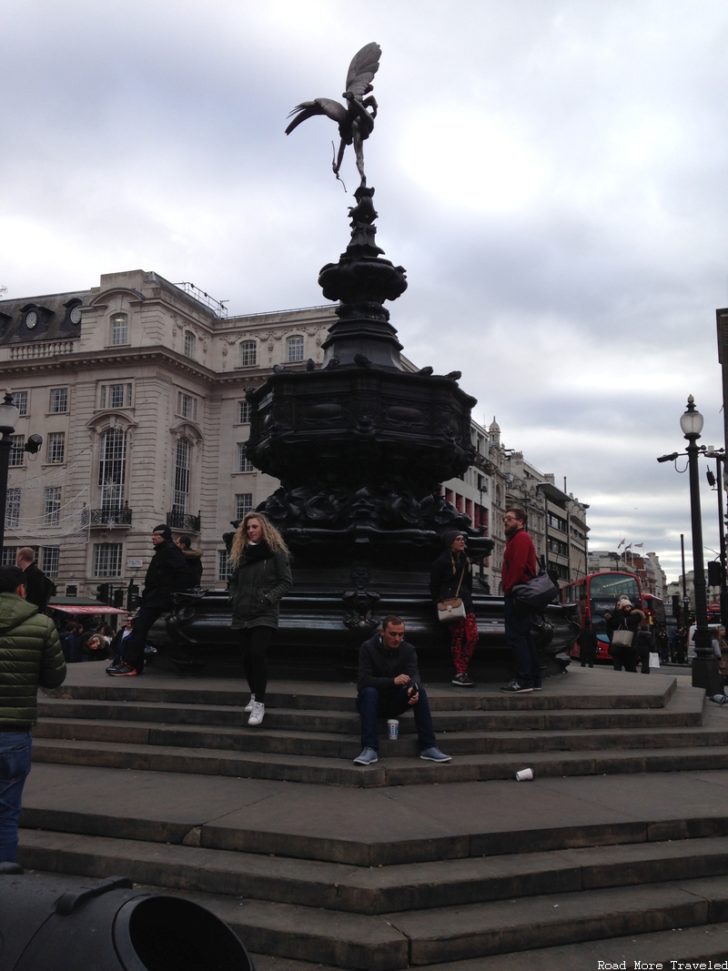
256, 713
249, 706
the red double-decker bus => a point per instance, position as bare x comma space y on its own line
596, 593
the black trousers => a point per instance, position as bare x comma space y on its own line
133, 645
255, 642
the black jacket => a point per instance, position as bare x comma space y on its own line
38, 588
379, 666
166, 573
445, 576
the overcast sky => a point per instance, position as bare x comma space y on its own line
551, 174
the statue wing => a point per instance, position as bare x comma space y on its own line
319, 106
362, 69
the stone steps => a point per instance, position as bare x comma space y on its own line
692, 946
676, 714
377, 890
396, 771
558, 693
346, 746
450, 935
312, 735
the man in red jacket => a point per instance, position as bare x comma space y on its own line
519, 565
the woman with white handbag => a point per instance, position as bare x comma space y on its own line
451, 585
623, 625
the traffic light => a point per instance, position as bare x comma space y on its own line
132, 597
119, 598
103, 593
715, 574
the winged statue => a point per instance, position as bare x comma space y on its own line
355, 118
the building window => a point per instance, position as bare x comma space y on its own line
190, 344
244, 463
294, 348
244, 412
119, 330
107, 559
56, 448
58, 402
186, 406
17, 450
52, 506
49, 559
115, 395
243, 504
20, 400
248, 354
112, 469
223, 565
12, 508
181, 476
7, 558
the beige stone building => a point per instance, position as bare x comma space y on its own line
138, 389
500, 476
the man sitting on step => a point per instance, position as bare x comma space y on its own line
389, 684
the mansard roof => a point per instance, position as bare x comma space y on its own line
52, 317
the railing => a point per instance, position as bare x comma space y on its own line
107, 517
41, 349
183, 520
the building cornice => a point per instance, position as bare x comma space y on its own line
113, 358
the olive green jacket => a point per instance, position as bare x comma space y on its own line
256, 589
30, 656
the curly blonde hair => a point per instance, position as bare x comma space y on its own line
270, 534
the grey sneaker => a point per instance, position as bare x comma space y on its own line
434, 755
463, 680
516, 688
249, 706
367, 756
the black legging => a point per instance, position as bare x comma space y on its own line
255, 642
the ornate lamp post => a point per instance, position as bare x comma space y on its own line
705, 664
9, 414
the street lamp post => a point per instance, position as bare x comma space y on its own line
8, 419
705, 664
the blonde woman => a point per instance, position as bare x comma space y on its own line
261, 576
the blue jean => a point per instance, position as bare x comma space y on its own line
15, 752
520, 640
373, 703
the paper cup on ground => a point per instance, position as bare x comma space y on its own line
524, 774
393, 728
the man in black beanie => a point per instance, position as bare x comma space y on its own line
166, 573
